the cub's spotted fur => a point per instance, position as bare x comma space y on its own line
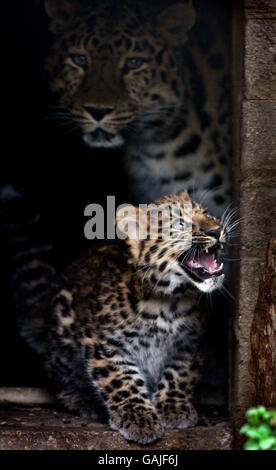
153, 79
120, 330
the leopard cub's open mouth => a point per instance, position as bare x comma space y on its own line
204, 265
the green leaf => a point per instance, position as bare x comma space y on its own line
245, 428
264, 431
251, 444
256, 434
260, 429
268, 443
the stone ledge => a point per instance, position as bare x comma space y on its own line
48, 429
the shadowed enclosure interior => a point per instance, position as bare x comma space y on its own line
64, 176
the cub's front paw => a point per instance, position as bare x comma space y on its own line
179, 416
142, 426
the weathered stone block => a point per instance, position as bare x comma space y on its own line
258, 213
247, 291
260, 4
250, 270
260, 8
258, 135
260, 59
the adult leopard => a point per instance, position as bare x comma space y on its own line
152, 79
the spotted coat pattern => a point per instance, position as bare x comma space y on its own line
120, 331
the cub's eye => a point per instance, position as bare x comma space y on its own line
79, 59
134, 63
179, 224
208, 216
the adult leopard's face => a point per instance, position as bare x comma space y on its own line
115, 70
184, 246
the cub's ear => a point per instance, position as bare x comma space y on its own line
60, 12
175, 21
132, 226
185, 195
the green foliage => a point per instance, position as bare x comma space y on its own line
260, 429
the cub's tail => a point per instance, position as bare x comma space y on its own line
32, 264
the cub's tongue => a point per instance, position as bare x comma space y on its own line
205, 261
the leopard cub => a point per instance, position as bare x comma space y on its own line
121, 328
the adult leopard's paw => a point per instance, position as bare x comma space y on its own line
143, 426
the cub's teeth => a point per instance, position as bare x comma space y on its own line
207, 250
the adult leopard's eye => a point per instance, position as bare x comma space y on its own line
134, 63
79, 59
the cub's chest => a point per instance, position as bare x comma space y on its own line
160, 331
152, 351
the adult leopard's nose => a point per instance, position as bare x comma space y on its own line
98, 113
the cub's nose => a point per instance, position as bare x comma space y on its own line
98, 113
214, 233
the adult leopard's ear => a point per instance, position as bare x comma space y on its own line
131, 226
60, 12
175, 21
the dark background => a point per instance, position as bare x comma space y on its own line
60, 173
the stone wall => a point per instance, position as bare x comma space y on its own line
254, 95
